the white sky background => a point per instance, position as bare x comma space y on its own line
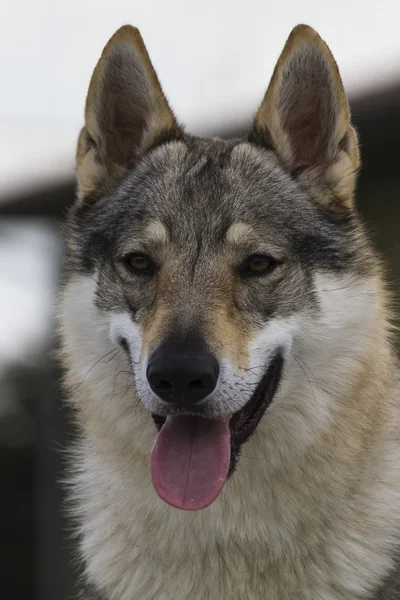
29, 265
214, 59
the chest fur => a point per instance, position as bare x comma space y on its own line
272, 540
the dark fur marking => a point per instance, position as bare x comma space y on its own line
261, 136
390, 589
164, 137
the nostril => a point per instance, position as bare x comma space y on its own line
196, 384
163, 385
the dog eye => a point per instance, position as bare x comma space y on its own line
257, 264
140, 264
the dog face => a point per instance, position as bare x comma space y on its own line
206, 256
209, 242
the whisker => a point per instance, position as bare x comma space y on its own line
308, 379
115, 351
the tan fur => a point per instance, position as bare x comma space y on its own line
240, 233
226, 323
156, 233
158, 325
221, 320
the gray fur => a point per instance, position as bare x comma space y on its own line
198, 188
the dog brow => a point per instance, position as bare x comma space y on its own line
239, 233
156, 232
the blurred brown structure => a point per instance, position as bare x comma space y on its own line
33, 537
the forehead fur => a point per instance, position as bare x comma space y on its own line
196, 190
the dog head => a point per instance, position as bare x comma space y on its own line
224, 270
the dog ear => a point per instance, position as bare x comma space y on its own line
126, 113
305, 119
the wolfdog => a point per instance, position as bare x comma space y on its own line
228, 347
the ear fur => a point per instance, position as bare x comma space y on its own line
126, 113
305, 118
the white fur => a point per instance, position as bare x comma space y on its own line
292, 522
235, 384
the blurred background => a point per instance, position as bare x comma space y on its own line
214, 59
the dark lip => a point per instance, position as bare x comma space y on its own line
244, 422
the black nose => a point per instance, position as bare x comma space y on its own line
182, 372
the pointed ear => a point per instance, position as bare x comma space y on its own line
305, 119
126, 113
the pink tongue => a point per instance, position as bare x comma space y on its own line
190, 461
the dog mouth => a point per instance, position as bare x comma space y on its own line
193, 456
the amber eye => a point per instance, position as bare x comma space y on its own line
257, 264
140, 263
